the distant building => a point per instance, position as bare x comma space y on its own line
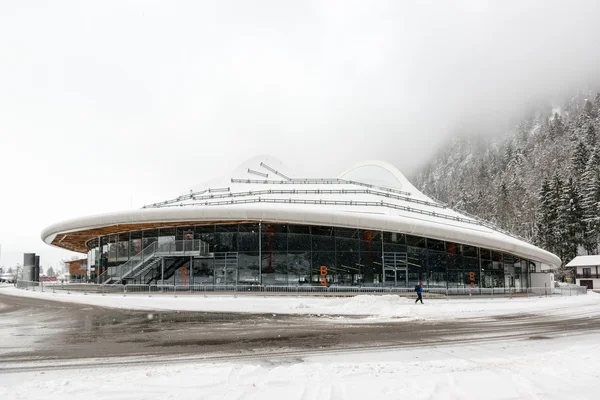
77, 269
586, 270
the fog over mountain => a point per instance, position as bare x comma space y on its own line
115, 104
541, 180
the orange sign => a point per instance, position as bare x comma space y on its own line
323, 271
184, 275
472, 278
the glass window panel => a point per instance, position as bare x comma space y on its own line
486, 254
417, 265
346, 245
274, 269
226, 228
203, 271
299, 242
469, 251
323, 243
452, 248
415, 241
248, 241
322, 230
300, 229
322, 258
248, 268
347, 269
346, 233
225, 242
370, 260
394, 248
434, 244
274, 242
248, 227
123, 248
394, 237
299, 270
204, 229
496, 256
112, 249
436, 269
470, 270
274, 228
150, 236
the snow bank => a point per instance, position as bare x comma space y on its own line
386, 307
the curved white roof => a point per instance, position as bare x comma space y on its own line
370, 195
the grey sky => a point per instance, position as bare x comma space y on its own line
111, 104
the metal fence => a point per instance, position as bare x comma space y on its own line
335, 291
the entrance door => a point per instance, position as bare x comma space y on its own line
226, 268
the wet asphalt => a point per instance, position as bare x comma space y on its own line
44, 330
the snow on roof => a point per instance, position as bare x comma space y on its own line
585, 261
370, 195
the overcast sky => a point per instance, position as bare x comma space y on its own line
109, 105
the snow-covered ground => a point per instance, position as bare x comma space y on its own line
374, 307
540, 367
559, 368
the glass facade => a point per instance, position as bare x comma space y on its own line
292, 255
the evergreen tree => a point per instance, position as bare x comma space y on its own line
571, 219
591, 203
579, 158
556, 127
543, 217
588, 110
590, 136
502, 207
557, 214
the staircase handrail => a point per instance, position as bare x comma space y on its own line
136, 260
176, 247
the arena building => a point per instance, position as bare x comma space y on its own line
264, 225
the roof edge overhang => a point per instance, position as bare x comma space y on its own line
318, 215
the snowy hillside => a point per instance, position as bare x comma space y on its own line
541, 181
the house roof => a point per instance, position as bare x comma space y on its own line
585, 261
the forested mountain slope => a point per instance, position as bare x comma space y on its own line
541, 181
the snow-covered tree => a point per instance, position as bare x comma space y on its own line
536, 181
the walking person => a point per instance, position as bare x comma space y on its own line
419, 290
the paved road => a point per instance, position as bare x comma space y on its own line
51, 332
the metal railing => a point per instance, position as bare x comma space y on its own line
339, 202
299, 191
301, 290
135, 261
308, 181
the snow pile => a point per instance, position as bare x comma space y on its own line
385, 307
